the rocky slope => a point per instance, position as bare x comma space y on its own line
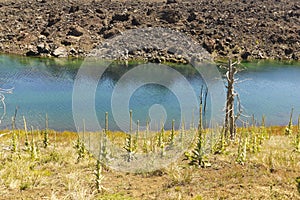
245, 29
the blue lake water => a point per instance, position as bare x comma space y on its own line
46, 86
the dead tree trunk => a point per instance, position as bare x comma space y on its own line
230, 126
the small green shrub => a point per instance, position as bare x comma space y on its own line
129, 147
297, 139
161, 142
79, 146
99, 177
172, 134
220, 146
289, 128
198, 157
13, 142
242, 149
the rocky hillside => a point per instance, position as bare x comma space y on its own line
247, 29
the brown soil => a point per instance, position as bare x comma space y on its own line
238, 28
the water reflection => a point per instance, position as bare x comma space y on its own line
45, 86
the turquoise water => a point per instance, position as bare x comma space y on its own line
46, 86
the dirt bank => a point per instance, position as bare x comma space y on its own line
238, 28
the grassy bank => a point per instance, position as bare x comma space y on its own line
36, 166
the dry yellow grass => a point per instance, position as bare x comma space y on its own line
56, 174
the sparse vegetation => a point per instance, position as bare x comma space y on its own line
46, 134
57, 168
289, 128
99, 177
242, 149
220, 146
297, 138
23, 173
198, 156
160, 141
80, 148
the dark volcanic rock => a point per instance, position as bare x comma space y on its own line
209, 45
121, 17
66, 42
246, 29
75, 31
53, 20
136, 21
171, 1
110, 33
45, 32
245, 55
73, 9
43, 48
192, 17
171, 16
32, 53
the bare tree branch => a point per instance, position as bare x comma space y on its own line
2, 100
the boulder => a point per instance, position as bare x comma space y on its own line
45, 32
171, 1
53, 20
75, 31
73, 9
66, 42
136, 21
192, 16
245, 55
60, 52
171, 16
42, 38
209, 45
288, 51
101, 10
111, 33
42, 48
32, 52
73, 51
121, 17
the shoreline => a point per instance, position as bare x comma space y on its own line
217, 60
276, 128
238, 29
